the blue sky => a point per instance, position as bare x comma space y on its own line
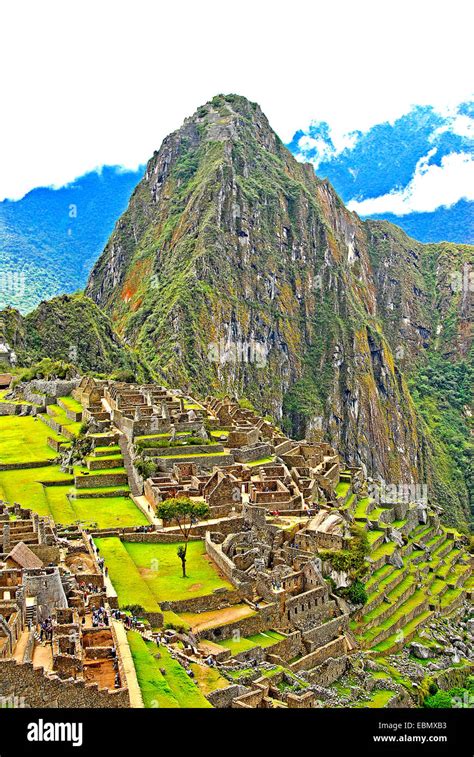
94, 84
422, 161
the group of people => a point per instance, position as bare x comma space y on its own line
46, 630
100, 617
129, 621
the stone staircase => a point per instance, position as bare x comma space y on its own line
128, 464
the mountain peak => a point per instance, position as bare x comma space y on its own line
236, 269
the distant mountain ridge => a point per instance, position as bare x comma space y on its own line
50, 239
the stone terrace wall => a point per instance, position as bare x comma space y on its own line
156, 537
39, 690
252, 454
287, 648
215, 601
337, 648
224, 697
328, 672
264, 619
325, 633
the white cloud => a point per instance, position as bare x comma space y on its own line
431, 187
315, 149
92, 83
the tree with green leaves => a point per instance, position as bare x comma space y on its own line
184, 511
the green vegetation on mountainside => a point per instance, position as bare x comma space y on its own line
70, 328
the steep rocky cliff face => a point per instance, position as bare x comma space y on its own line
236, 269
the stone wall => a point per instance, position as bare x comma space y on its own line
253, 453
215, 601
335, 648
44, 690
326, 632
328, 672
264, 619
224, 697
157, 537
288, 648
111, 479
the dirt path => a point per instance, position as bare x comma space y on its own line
20, 646
42, 657
147, 510
203, 620
136, 699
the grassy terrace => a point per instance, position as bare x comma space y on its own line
342, 488
372, 536
110, 450
59, 416
410, 604
217, 433
3, 392
71, 404
25, 440
262, 461
264, 639
79, 470
30, 488
159, 436
386, 577
147, 574
200, 454
385, 550
393, 597
376, 513
107, 512
361, 508
406, 630
26, 486
172, 688
378, 698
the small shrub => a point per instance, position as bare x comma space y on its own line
357, 593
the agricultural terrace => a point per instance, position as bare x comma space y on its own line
163, 681
49, 491
24, 439
147, 574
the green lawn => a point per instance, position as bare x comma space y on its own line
72, 404
25, 440
24, 486
160, 567
171, 689
262, 461
264, 639
148, 574
107, 512
378, 698
124, 574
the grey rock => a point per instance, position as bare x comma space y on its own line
418, 650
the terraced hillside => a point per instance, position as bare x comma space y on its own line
33, 475
411, 581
